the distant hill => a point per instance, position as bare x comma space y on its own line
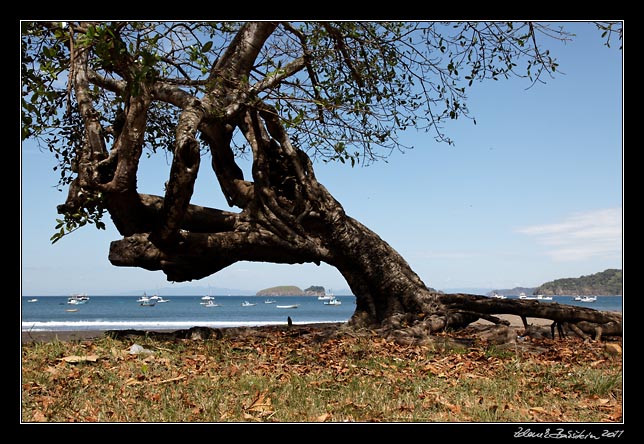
516, 291
282, 290
604, 283
292, 290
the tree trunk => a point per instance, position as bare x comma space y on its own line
286, 215
386, 284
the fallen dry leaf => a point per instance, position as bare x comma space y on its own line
165, 381
132, 381
261, 403
39, 416
77, 359
323, 417
52, 370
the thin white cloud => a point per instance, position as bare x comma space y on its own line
582, 235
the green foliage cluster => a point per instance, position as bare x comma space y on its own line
607, 282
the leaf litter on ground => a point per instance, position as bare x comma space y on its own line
335, 378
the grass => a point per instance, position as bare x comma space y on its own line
285, 377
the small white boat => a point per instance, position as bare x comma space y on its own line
541, 297
32, 300
588, 299
270, 301
158, 299
79, 298
538, 297
247, 304
287, 306
146, 301
500, 296
209, 301
327, 296
333, 301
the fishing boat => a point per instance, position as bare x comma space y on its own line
32, 300
287, 306
78, 298
247, 304
209, 301
333, 301
327, 296
541, 297
158, 299
145, 301
588, 299
500, 296
538, 297
270, 301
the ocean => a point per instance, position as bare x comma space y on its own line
53, 313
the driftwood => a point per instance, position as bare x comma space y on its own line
191, 333
583, 321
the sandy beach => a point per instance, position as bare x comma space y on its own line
81, 335
515, 321
47, 336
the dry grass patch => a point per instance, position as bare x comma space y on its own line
287, 376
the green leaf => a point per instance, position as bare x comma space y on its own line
207, 47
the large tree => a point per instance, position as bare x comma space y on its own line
101, 94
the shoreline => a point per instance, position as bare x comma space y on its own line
86, 335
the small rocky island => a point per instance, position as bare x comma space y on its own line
292, 290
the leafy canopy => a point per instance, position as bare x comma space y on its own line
343, 90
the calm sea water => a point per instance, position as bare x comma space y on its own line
50, 313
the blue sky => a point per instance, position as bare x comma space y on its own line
531, 193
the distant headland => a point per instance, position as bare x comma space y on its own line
605, 283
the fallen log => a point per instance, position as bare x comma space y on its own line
583, 321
